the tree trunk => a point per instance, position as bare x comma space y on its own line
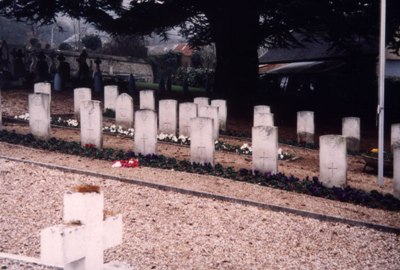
235, 32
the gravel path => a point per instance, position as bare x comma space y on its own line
166, 230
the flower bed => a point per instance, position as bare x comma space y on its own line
313, 186
245, 149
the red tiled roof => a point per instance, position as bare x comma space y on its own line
184, 48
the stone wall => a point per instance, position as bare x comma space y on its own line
113, 65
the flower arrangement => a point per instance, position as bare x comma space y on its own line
24, 116
374, 153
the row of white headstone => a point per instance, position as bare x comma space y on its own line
333, 148
123, 106
262, 116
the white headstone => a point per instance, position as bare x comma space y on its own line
305, 127
222, 112
262, 109
265, 149
91, 123
145, 132
332, 160
110, 97
167, 116
187, 111
201, 101
80, 242
351, 130
396, 170
43, 88
39, 115
147, 100
202, 145
81, 94
263, 119
124, 111
395, 134
210, 112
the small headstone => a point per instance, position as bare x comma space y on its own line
305, 127
167, 116
265, 149
222, 112
42, 68
124, 111
80, 95
210, 112
110, 96
80, 242
396, 170
145, 132
395, 134
83, 74
147, 100
202, 145
64, 70
97, 82
42, 87
97, 77
187, 111
91, 123
332, 160
263, 119
57, 83
131, 84
39, 115
201, 101
351, 130
262, 109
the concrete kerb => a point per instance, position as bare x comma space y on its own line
28, 260
276, 208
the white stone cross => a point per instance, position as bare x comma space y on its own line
332, 168
80, 242
201, 152
143, 139
263, 157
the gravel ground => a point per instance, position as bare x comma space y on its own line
166, 230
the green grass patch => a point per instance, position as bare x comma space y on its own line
175, 88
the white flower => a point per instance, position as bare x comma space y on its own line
280, 151
117, 165
244, 146
174, 139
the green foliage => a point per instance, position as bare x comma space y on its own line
109, 113
175, 88
92, 42
65, 47
161, 86
196, 77
165, 64
195, 60
129, 45
237, 28
35, 43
